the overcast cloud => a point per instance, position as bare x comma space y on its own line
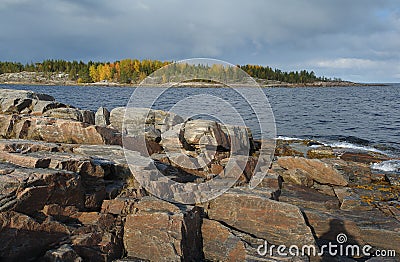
356, 40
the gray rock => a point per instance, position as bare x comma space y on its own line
64, 253
65, 113
17, 101
240, 139
88, 117
39, 107
102, 117
204, 133
85, 116
137, 119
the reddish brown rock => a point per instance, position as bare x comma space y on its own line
298, 176
118, 206
25, 160
256, 214
160, 231
29, 190
146, 147
219, 244
305, 197
102, 221
319, 171
366, 158
56, 130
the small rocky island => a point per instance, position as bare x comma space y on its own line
68, 194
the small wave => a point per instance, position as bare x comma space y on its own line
286, 138
387, 166
347, 145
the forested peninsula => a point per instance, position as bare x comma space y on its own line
128, 72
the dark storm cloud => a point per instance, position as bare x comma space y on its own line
355, 40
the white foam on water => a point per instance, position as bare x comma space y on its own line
317, 146
387, 166
286, 138
347, 145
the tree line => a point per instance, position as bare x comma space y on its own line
131, 71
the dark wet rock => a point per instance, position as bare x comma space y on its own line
283, 148
64, 253
367, 158
25, 239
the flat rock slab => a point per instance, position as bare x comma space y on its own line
319, 171
256, 214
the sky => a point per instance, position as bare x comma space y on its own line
357, 40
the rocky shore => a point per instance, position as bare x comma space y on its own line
37, 78
67, 192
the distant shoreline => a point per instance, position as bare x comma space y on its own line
60, 80
196, 84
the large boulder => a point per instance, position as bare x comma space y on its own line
28, 190
56, 130
201, 134
71, 114
102, 117
255, 213
17, 101
160, 231
240, 139
315, 169
134, 120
